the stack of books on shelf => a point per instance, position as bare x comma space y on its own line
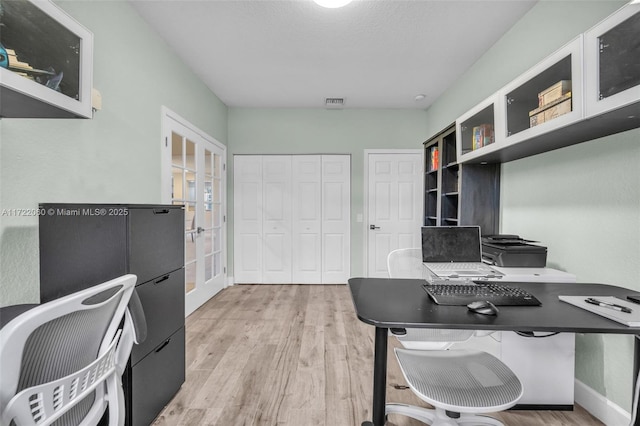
433, 158
483, 135
552, 102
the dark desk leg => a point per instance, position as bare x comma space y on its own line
636, 369
379, 378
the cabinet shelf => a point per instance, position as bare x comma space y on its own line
459, 194
48, 60
528, 123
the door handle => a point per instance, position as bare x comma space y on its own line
199, 229
373, 227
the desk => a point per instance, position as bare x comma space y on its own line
544, 366
386, 303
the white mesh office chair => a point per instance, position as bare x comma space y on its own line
61, 362
460, 384
407, 263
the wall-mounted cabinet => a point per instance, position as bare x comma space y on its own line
612, 59
587, 89
476, 129
545, 98
457, 194
46, 62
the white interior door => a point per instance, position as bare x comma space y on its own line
247, 235
394, 205
307, 219
336, 219
277, 218
292, 218
197, 181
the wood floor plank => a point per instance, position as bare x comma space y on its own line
295, 355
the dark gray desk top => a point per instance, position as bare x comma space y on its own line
390, 303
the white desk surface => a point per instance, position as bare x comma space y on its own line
521, 275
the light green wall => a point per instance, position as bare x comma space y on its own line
113, 158
321, 131
583, 202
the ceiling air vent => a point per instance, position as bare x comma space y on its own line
334, 103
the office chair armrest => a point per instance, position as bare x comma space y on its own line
137, 317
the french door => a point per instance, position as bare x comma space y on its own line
197, 180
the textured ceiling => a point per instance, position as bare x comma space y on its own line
294, 54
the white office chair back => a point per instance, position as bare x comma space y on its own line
61, 361
407, 263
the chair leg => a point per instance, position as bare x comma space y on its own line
476, 419
422, 414
439, 417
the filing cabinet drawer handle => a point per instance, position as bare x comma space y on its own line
159, 280
166, 342
160, 211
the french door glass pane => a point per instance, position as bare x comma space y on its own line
190, 240
216, 239
176, 183
208, 268
177, 156
190, 276
208, 245
217, 264
190, 155
208, 163
190, 186
208, 197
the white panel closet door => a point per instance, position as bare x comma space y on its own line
336, 232
307, 219
247, 252
292, 219
277, 219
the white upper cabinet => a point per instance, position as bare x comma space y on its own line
585, 90
46, 62
546, 97
612, 63
475, 130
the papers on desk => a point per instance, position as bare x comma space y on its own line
631, 319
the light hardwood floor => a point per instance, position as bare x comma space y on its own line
294, 355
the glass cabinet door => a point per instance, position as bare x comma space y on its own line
45, 61
476, 130
612, 63
546, 97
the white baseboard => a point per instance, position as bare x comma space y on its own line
229, 282
600, 407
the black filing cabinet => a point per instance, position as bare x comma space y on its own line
82, 245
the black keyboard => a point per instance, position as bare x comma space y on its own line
463, 294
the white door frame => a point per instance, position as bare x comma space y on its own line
165, 179
365, 198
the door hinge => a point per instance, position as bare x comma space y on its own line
224, 270
224, 218
224, 167
166, 141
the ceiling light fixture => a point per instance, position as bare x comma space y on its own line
419, 97
332, 4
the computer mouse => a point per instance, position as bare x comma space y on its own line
483, 307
